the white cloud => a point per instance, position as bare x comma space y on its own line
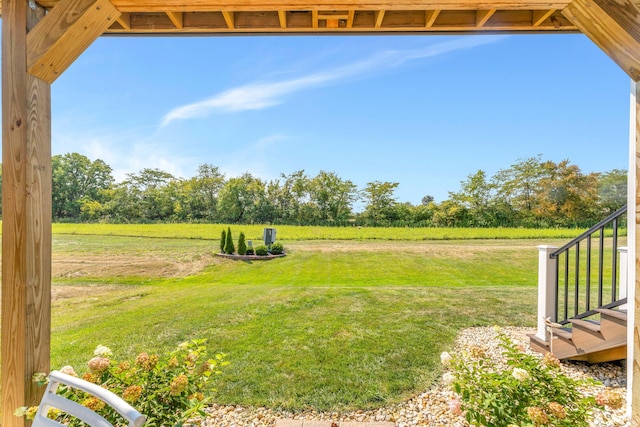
256, 158
258, 96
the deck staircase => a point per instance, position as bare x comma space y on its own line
582, 296
594, 340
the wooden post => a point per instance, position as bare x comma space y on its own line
26, 225
547, 288
633, 333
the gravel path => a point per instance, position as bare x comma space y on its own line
431, 408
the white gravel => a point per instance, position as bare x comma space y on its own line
431, 408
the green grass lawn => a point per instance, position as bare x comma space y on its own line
334, 325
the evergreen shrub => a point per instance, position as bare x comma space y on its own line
242, 246
262, 250
277, 249
229, 248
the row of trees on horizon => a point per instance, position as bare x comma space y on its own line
530, 193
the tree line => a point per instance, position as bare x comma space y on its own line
530, 193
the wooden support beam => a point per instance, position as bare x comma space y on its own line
327, 16
65, 33
177, 18
539, 16
125, 20
633, 212
350, 17
229, 18
379, 18
614, 25
361, 5
482, 16
26, 222
282, 16
333, 23
430, 17
314, 19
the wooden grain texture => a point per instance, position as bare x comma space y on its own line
229, 19
539, 16
355, 22
26, 225
635, 366
67, 31
177, 19
259, 5
124, 20
614, 25
482, 16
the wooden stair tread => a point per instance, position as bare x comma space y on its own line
617, 314
533, 339
589, 325
564, 333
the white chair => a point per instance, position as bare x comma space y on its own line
53, 400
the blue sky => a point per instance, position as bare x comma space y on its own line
422, 111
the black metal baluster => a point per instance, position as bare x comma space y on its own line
566, 284
576, 295
600, 266
614, 259
588, 278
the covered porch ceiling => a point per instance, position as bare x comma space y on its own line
42, 38
334, 16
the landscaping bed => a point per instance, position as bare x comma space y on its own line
250, 257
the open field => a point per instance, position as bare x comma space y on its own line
334, 325
295, 233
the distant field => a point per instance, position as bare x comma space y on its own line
335, 325
293, 233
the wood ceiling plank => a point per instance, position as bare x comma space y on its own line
539, 16
177, 18
430, 17
482, 16
65, 33
229, 18
614, 25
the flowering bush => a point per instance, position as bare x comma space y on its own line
168, 391
529, 391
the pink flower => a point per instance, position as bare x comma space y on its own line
98, 365
455, 406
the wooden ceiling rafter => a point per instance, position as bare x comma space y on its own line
482, 16
334, 16
430, 17
177, 18
229, 18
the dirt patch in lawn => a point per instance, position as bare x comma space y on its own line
76, 266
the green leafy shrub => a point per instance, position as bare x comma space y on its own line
229, 248
249, 252
223, 241
277, 249
167, 390
530, 391
242, 246
262, 250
